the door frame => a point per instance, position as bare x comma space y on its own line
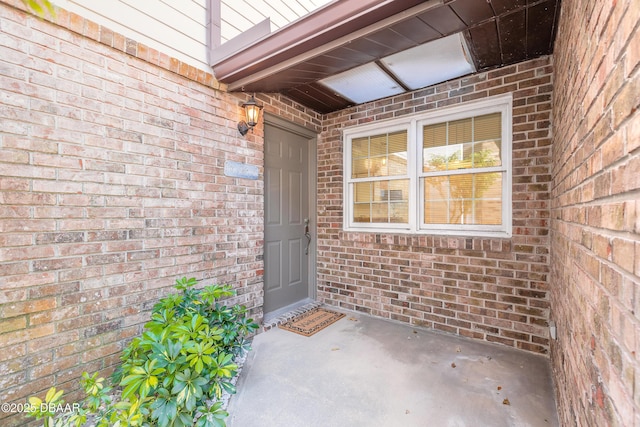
312, 162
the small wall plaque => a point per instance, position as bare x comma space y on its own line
240, 170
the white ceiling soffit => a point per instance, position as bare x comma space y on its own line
421, 66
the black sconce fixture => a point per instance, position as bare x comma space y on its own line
252, 113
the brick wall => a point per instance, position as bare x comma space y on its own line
286, 109
595, 245
490, 289
111, 187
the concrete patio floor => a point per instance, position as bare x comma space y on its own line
363, 371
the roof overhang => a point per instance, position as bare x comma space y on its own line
300, 58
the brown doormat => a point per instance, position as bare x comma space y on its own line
312, 321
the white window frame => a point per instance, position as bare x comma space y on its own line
413, 125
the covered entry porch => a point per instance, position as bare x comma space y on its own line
365, 371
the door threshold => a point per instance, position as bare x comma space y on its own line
281, 315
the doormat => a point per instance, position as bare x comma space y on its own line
312, 321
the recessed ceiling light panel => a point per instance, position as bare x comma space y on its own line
362, 84
431, 63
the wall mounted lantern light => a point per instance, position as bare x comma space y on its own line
252, 113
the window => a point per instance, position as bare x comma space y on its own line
381, 189
443, 172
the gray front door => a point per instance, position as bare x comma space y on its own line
286, 257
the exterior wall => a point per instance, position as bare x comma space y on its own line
240, 15
177, 28
286, 109
490, 289
595, 245
111, 187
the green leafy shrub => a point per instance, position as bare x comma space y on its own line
175, 373
40, 7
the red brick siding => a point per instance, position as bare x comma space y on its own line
111, 187
490, 289
595, 245
291, 111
